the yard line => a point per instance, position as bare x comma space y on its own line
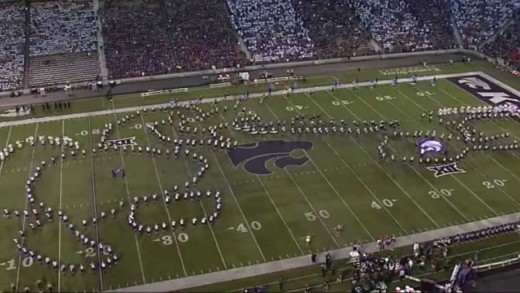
129, 203
414, 169
26, 205
203, 209
60, 201
355, 174
328, 182
379, 166
270, 197
489, 156
239, 208
6, 143
94, 200
455, 178
164, 200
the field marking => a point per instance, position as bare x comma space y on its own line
130, 202
333, 188
304, 261
413, 167
6, 144
453, 177
239, 208
305, 196
26, 205
456, 179
352, 170
230, 98
201, 204
94, 202
164, 200
379, 166
270, 197
60, 204
486, 154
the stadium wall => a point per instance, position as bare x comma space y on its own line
278, 66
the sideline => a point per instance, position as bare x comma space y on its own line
229, 98
304, 261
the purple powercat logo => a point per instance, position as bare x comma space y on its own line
428, 145
487, 91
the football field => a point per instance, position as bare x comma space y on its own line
269, 192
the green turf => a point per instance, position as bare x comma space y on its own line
264, 218
492, 249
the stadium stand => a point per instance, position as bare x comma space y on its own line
334, 28
136, 39
271, 30
406, 25
507, 45
62, 27
12, 40
62, 68
63, 42
478, 20
202, 35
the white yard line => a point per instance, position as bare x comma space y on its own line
415, 170
313, 209
230, 98
129, 203
164, 200
382, 169
270, 197
26, 205
456, 179
239, 208
203, 209
60, 201
94, 202
355, 174
304, 261
489, 156
6, 144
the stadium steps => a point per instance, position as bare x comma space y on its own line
498, 32
375, 45
59, 69
456, 31
101, 44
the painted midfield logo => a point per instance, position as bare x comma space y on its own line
442, 170
254, 156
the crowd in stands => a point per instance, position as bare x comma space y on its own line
333, 27
478, 20
149, 37
62, 27
507, 45
12, 41
271, 30
406, 25
136, 39
197, 44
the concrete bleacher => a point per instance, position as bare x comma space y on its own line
59, 69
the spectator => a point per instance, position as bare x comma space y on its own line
136, 39
478, 20
507, 45
202, 35
334, 28
406, 25
12, 40
62, 27
271, 30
